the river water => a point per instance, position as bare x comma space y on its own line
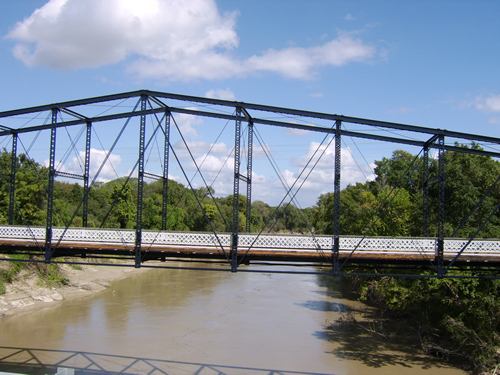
215, 322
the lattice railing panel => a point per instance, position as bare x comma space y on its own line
265, 241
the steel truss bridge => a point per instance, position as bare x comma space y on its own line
436, 251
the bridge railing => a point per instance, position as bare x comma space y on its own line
268, 242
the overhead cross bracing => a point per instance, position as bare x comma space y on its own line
162, 109
81, 119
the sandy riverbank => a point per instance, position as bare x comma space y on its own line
26, 293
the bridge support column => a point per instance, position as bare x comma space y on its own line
50, 188
166, 153
425, 185
249, 178
336, 199
140, 185
236, 192
425, 193
441, 208
86, 175
12, 183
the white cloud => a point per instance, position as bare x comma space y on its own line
208, 65
320, 179
225, 94
200, 147
187, 123
301, 63
351, 170
488, 103
167, 39
349, 17
216, 167
79, 34
218, 170
97, 156
96, 159
212, 163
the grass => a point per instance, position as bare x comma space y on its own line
50, 275
8, 275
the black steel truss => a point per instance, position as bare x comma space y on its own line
336, 197
166, 154
50, 187
12, 184
247, 107
241, 114
86, 174
236, 192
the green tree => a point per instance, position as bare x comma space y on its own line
31, 185
402, 170
122, 203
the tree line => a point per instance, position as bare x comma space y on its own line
390, 205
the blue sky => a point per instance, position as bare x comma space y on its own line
432, 63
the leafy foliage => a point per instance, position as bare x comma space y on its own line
456, 318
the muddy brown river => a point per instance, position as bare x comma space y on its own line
199, 322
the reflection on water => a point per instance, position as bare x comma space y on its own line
231, 322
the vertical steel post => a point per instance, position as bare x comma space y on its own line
249, 177
166, 153
236, 192
86, 175
12, 184
140, 184
441, 209
425, 192
336, 199
50, 188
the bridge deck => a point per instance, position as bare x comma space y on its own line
75, 241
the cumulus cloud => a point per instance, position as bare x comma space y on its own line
351, 170
301, 63
217, 168
217, 171
201, 147
96, 159
187, 123
320, 179
78, 34
488, 103
167, 39
97, 156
